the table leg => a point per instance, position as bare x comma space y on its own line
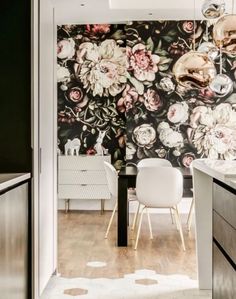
122, 223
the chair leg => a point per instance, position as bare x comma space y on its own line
190, 215
149, 224
111, 219
135, 218
171, 215
176, 220
180, 226
139, 228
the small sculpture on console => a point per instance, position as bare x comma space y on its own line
100, 150
72, 147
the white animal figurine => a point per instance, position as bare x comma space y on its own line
98, 146
67, 147
72, 147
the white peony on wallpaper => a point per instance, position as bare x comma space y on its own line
118, 79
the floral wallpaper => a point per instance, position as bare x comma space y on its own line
91, 75
118, 79
166, 120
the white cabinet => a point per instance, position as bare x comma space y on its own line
82, 177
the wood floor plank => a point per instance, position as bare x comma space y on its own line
81, 240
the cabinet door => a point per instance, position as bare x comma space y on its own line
14, 243
224, 276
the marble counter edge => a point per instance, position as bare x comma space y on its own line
201, 166
8, 180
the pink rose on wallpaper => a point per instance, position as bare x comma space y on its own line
187, 159
142, 62
152, 100
207, 95
188, 26
66, 48
74, 94
178, 112
128, 99
98, 28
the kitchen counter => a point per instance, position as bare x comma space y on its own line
205, 171
8, 180
15, 221
224, 171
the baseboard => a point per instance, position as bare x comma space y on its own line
94, 205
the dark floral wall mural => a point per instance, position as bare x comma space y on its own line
91, 75
118, 79
166, 120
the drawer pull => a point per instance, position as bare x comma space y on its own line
83, 185
84, 170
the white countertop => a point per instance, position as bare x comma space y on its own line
221, 170
10, 179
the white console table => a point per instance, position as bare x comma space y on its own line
204, 173
82, 177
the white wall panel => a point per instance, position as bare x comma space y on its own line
46, 143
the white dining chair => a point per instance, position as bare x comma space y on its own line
112, 180
190, 213
151, 162
159, 187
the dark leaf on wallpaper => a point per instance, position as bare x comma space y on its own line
97, 114
231, 99
91, 106
106, 110
137, 84
159, 46
113, 129
165, 60
131, 43
229, 62
105, 117
140, 153
90, 120
65, 133
150, 44
148, 153
118, 164
168, 38
160, 52
119, 34
113, 110
120, 42
164, 67
117, 154
91, 112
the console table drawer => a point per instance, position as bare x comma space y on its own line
225, 235
224, 203
224, 278
73, 177
83, 191
82, 163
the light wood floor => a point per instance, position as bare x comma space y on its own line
81, 240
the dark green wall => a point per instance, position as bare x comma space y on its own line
15, 89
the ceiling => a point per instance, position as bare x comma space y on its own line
120, 11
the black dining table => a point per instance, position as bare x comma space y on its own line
127, 179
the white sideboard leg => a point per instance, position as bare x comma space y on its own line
67, 205
203, 215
